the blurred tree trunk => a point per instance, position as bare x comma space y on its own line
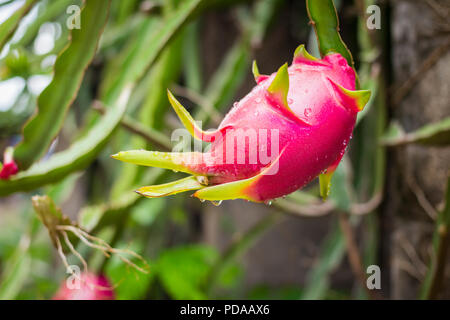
420, 29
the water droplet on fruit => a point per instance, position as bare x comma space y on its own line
307, 112
290, 101
235, 104
217, 203
258, 100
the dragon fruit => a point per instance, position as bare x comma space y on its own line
303, 114
90, 287
9, 166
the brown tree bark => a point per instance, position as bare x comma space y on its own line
416, 175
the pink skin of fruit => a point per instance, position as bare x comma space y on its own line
313, 105
91, 287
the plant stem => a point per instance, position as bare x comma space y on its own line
441, 242
238, 246
148, 134
353, 253
322, 209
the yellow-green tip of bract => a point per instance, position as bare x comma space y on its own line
227, 191
301, 52
255, 71
354, 99
167, 160
186, 119
174, 187
182, 113
279, 87
325, 184
361, 97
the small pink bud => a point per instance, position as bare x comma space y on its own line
9, 166
88, 287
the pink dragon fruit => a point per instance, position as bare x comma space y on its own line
9, 167
90, 287
309, 109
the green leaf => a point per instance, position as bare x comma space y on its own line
331, 255
150, 45
182, 270
434, 134
46, 12
263, 14
69, 70
8, 27
192, 57
237, 248
227, 79
231, 73
341, 191
132, 285
17, 273
163, 73
100, 216
76, 157
16, 270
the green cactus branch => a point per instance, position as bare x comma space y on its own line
325, 21
323, 17
69, 70
9, 26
